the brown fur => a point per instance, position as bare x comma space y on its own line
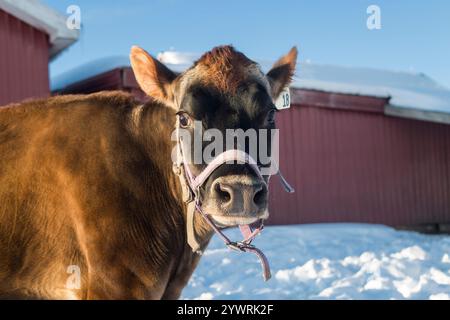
87, 181
223, 68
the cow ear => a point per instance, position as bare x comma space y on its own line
280, 76
154, 78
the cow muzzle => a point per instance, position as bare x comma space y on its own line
236, 200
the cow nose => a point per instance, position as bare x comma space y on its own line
240, 197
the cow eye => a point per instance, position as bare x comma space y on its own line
185, 120
271, 116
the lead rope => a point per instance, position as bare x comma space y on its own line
242, 246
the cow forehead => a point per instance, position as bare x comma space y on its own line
223, 69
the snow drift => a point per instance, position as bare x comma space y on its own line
328, 261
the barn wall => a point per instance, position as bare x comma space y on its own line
23, 60
350, 166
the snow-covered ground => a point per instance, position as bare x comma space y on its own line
328, 261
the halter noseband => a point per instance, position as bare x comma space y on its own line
190, 188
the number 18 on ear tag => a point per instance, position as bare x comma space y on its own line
284, 100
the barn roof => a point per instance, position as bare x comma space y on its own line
411, 95
45, 19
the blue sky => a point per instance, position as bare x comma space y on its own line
415, 35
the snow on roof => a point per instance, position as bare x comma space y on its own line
87, 70
98, 66
43, 18
413, 95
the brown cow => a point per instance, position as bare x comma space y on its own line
87, 180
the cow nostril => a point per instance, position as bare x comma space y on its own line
223, 193
260, 196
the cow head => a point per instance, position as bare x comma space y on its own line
222, 90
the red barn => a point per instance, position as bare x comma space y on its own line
31, 34
359, 145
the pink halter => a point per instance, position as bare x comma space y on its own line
191, 185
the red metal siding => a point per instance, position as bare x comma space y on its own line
23, 60
352, 166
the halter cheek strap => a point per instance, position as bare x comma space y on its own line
190, 186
